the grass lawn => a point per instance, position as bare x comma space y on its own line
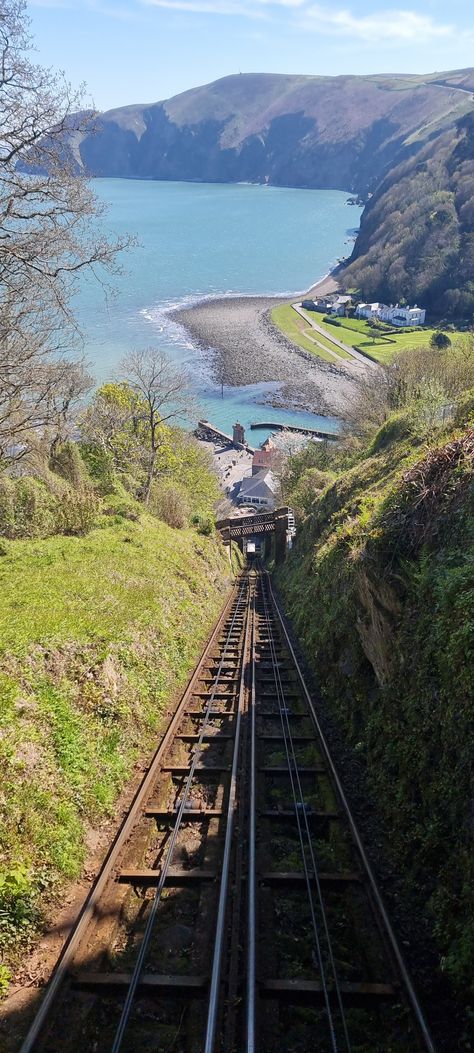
356, 333
293, 326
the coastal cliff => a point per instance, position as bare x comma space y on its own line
328, 132
397, 142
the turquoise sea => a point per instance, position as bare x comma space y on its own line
202, 240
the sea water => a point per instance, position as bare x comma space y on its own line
198, 240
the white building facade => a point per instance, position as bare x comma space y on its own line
394, 315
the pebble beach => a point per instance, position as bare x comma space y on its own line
244, 347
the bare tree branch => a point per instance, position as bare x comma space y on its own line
163, 389
50, 232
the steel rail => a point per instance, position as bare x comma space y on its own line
86, 914
314, 864
213, 1006
145, 942
250, 1036
392, 939
298, 812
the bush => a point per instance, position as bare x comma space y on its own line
122, 506
67, 462
5, 977
205, 524
100, 466
27, 509
16, 903
77, 512
170, 503
311, 484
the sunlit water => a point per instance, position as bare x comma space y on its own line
204, 240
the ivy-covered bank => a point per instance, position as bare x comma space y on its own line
380, 588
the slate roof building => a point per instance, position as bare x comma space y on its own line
259, 490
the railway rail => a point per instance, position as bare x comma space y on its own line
236, 910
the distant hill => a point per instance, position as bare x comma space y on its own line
338, 132
366, 135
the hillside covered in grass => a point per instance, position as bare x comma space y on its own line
110, 578
380, 589
287, 130
96, 635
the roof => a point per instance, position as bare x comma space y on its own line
259, 485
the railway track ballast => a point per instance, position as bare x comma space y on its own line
236, 911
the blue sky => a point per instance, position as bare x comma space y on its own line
145, 50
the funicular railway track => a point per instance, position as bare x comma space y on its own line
236, 911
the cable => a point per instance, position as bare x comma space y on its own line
295, 777
138, 968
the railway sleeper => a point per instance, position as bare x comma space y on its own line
354, 995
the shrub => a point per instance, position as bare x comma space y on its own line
311, 484
27, 509
67, 462
170, 503
16, 903
100, 466
5, 977
77, 512
204, 523
7, 507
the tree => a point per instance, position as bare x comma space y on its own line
49, 234
440, 341
113, 424
163, 391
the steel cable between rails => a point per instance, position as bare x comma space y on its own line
138, 968
296, 781
212, 1016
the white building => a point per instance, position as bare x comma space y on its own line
404, 315
259, 490
394, 315
370, 310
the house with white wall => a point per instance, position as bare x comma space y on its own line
404, 315
394, 315
370, 310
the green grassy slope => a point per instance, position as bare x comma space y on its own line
380, 588
96, 634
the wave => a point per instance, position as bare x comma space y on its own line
162, 313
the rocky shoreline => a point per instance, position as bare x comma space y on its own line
244, 347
